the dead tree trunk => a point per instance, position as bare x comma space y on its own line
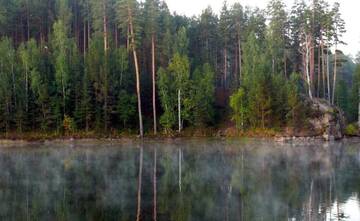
153, 81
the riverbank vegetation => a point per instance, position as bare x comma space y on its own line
95, 67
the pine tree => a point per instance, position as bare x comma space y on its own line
237, 18
224, 28
202, 96
278, 36
127, 15
151, 15
7, 93
339, 30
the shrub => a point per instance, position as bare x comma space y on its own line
68, 124
352, 130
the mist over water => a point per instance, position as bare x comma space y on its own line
196, 179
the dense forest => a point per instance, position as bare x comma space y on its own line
105, 65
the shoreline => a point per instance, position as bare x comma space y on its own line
38, 137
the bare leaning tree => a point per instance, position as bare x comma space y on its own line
306, 54
126, 12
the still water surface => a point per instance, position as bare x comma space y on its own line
197, 179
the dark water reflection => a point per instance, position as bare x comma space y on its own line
181, 180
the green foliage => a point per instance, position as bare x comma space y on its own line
7, 74
352, 130
200, 104
296, 115
239, 107
181, 42
354, 96
62, 64
75, 59
167, 94
126, 107
68, 125
179, 67
265, 100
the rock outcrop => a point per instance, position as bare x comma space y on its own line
326, 120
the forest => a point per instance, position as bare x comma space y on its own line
124, 65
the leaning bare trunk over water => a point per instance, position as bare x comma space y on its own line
137, 72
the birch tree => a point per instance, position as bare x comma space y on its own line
179, 67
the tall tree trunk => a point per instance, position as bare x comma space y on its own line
359, 109
128, 38
26, 87
179, 110
285, 64
14, 86
105, 27
307, 61
335, 75
225, 67
27, 20
137, 71
138, 211
323, 68
64, 95
328, 74
240, 58
319, 74
155, 187
153, 81
236, 69
106, 64
84, 39
312, 65
88, 33
116, 36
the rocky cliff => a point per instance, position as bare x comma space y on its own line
326, 120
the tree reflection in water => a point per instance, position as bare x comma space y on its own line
197, 179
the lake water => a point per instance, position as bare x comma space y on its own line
197, 179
